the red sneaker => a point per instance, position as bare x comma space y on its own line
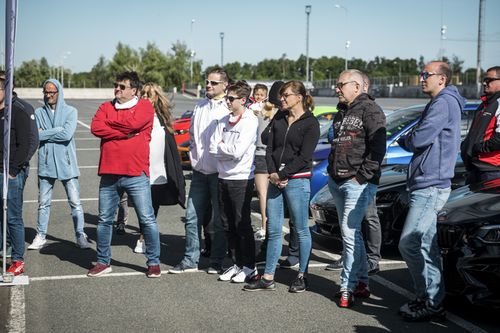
346, 299
154, 271
362, 290
99, 269
17, 268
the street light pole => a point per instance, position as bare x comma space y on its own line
308, 11
64, 56
191, 54
347, 42
221, 49
479, 33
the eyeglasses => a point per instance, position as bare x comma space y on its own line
426, 75
212, 83
488, 80
231, 98
121, 86
341, 85
285, 96
50, 93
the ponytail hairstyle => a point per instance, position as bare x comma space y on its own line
297, 87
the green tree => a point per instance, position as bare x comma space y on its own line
100, 75
125, 59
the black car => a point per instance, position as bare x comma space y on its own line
392, 204
469, 237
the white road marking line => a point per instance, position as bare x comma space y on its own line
83, 124
17, 316
62, 200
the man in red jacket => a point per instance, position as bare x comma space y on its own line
124, 126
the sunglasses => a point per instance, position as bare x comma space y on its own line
426, 75
231, 98
213, 83
341, 85
488, 80
121, 86
50, 93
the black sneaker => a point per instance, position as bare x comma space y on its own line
425, 312
373, 268
182, 268
260, 284
289, 263
205, 252
410, 306
299, 285
334, 265
214, 269
120, 229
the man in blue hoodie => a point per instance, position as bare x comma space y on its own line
435, 143
57, 161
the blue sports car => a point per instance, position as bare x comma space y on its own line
399, 123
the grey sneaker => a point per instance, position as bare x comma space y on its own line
334, 265
182, 268
82, 242
38, 243
290, 263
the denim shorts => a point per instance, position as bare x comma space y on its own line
260, 164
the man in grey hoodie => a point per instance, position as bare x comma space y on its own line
435, 143
57, 161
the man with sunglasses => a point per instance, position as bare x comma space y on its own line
203, 192
481, 148
124, 126
358, 148
57, 122
435, 142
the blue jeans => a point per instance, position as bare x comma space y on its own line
139, 191
418, 243
72, 187
351, 200
15, 224
203, 192
296, 194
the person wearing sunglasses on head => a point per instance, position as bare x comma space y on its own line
204, 184
358, 148
435, 142
57, 161
233, 145
124, 126
481, 147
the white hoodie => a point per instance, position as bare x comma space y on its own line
234, 146
206, 115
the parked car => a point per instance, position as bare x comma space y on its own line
181, 127
391, 200
469, 237
399, 123
183, 150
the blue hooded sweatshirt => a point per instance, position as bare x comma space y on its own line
435, 141
57, 152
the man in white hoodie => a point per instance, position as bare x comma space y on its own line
203, 191
233, 145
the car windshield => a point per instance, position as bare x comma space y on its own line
399, 119
325, 121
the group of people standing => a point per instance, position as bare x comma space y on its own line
238, 141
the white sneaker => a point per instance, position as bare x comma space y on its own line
140, 246
82, 242
243, 275
260, 235
229, 273
38, 243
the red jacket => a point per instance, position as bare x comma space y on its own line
125, 135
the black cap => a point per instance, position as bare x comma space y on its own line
274, 93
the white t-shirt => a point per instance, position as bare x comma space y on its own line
157, 171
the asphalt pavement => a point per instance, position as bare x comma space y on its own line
60, 298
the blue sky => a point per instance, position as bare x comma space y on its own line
254, 30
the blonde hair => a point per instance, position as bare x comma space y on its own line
162, 106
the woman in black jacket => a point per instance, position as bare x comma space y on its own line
292, 138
